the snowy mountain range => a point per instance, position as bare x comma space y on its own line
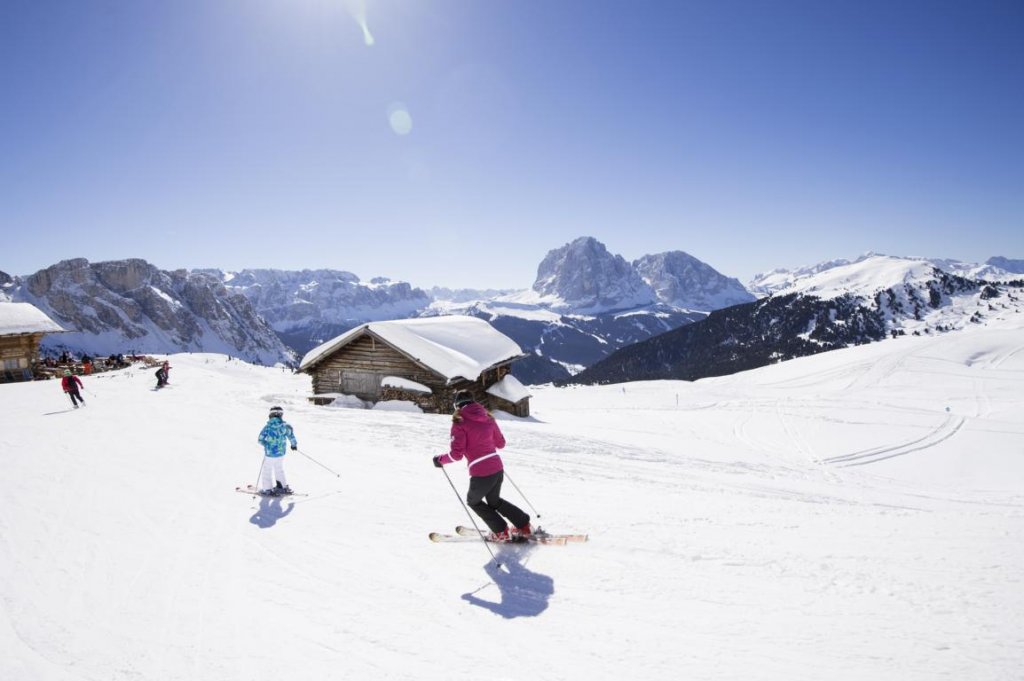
130, 306
821, 308
585, 304
994, 269
309, 307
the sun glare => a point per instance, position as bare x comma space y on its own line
399, 119
357, 9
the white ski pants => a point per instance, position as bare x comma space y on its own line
272, 471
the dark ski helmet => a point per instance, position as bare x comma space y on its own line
462, 398
276, 412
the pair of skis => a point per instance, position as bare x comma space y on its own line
251, 489
539, 536
462, 533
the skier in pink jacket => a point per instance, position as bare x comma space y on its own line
475, 437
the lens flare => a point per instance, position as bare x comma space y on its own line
357, 9
399, 119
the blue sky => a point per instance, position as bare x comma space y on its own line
473, 136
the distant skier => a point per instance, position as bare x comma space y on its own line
163, 375
476, 437
273, 437
71, 383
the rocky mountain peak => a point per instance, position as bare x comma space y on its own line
681, 280
132, 306
585, 277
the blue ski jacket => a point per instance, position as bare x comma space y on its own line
274, 437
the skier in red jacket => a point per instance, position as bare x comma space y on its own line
71, 383
475, 436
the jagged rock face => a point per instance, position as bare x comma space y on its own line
588, 279
681, 280
131, 306
313, 299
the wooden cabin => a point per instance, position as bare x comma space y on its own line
22, 327
424, 361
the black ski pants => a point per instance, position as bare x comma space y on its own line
76, 397
484, 497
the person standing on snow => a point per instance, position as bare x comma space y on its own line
163, 375
273, 438
71, 383
475, 436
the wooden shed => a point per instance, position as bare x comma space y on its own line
423, 361
22, 327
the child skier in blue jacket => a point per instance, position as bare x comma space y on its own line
274, 437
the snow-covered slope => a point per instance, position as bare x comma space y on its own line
873, 299
911, 295
854, 515
782, 280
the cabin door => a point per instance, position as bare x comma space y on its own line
363, 384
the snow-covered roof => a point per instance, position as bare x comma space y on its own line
454, 347
18, 318
509, 389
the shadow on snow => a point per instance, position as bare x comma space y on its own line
523, 593
269, 512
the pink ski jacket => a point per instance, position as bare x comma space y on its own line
475, 437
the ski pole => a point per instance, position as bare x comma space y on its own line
263, 460
535, 512
337, 475
471, 519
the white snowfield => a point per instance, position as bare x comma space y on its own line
857, 515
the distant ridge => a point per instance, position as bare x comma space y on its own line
821, 309
129, 306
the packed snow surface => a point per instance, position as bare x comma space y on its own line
854, 515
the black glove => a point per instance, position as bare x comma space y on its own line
437, 461
294, 447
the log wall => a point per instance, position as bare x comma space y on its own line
358, 368
18, 355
